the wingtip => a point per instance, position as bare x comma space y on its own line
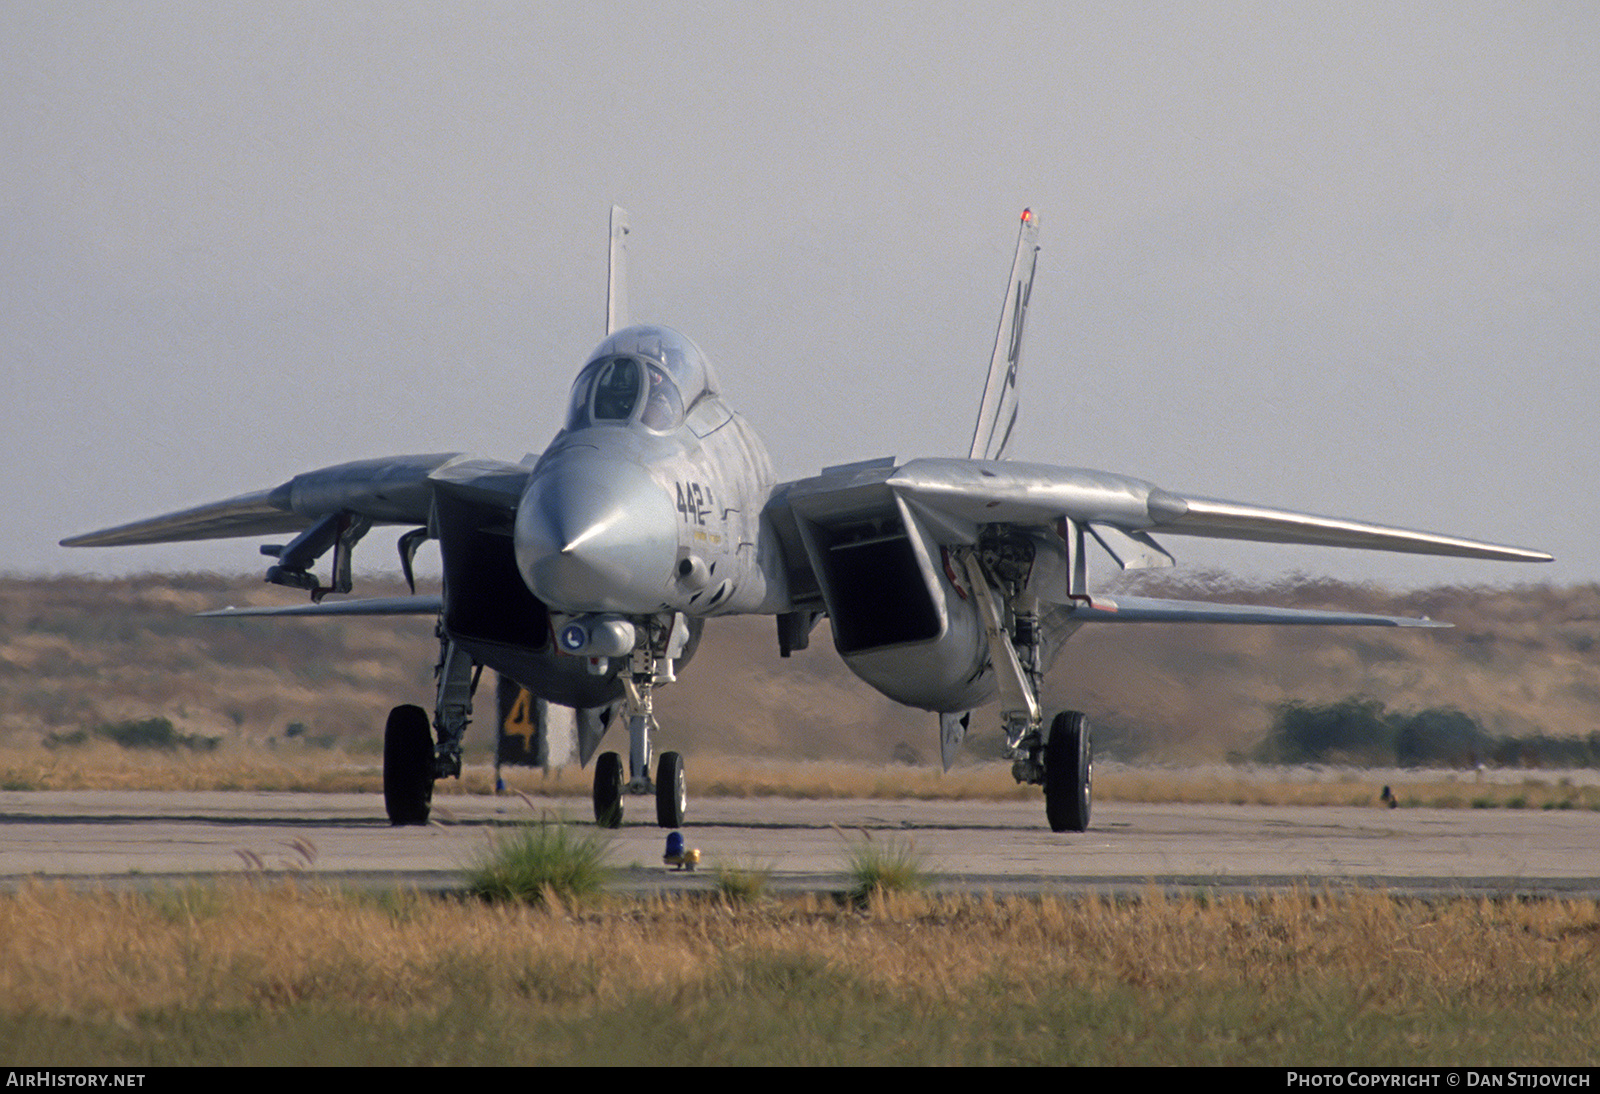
1518, 554
1428, 624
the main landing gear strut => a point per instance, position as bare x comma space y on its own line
1061, 764
411, 759
650, 665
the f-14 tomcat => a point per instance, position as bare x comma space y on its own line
586, 573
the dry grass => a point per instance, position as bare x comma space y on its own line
248, 974
107, 767
237, 767
1349, 787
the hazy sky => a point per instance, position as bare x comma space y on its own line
1345, 261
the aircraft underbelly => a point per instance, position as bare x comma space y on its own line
546, 674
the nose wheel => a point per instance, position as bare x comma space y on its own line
659, 642
672, 791
608, 790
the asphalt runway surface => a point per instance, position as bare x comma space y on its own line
144, 838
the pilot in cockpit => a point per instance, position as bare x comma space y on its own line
638, 378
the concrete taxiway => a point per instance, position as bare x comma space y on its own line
137, 837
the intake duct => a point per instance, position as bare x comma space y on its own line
873, 578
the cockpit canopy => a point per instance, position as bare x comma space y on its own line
651, 375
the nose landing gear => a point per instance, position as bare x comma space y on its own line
661, 641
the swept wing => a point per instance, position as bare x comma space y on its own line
387, 490
377, 605
1140, 609
974, 492
950, 504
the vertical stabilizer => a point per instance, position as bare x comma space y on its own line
617, 272
997, 413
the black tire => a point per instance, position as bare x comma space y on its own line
672, 791
1068, 773
408, 765
608, 790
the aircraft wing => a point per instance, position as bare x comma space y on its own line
977, 492
387, 490
829, 522
1140, 609
378, 605
1217, 519
262, 513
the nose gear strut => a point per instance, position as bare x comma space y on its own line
661, 640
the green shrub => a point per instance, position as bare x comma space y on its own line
532, 860
1351, 729
891, 864
1360, 730
151, 733
1438, 736
741, 882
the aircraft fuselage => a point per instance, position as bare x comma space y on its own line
650, 501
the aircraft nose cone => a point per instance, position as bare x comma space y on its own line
596, 534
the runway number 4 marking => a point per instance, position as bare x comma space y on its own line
519, 719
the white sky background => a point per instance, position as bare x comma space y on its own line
1347, 262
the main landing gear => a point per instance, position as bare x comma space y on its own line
1068, 773
1062, 764
650, 666
411, 759
407, 766
996, 575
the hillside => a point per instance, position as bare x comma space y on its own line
76, 652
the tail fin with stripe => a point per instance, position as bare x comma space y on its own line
997, 413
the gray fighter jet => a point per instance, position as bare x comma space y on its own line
586, 573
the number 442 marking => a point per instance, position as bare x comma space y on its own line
694, 502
